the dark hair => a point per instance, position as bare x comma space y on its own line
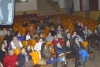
43, 46
74, 38
73, 32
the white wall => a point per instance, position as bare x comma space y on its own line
85, 5
99, 4
76, 5
30, 5
62, 3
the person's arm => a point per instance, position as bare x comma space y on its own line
76, 47
5, 62
12, 45
20, 44
80, 39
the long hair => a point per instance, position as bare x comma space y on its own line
43, 46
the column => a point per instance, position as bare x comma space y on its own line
76, 5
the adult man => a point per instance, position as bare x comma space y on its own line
10, 59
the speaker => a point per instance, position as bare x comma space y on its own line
6, 12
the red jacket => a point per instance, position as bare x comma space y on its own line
10, 61
56, 41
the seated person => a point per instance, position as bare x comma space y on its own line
48, 55
33, 20
10, 60
41, 25
31, 30
70, 53
3, 52
11, 31
60, 52
52, 30
59, 34
19, 36
8, 37
49, 38
56, 39
24, 60
38, 30
15, 43
79, 48
75, 35
27, 35
24, 24
3, 32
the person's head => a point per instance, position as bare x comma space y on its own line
2, 46
23, 51
55, 37
18, 33
49, 34
40, 35
74, 33
67, 30
15, 38
10, 51
31, 27
86, 27
75, 39
95, 31
41, 21
41, 39
79, 23
24, 22
43, 46
10, 29
58, 45
67, 42
27, 32
68, 34
8, 33
5, 42
38, 28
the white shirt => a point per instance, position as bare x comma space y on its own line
37, 46
28, 37
13, 47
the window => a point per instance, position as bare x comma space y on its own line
21, 1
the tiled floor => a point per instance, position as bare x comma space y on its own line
89, 63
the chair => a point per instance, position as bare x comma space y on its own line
85, 45
16, 51
32, 42
24, 43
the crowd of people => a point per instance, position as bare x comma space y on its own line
66, 44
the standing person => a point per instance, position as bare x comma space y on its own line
3, 52
79, 49
24, 60
48, 55
10, 59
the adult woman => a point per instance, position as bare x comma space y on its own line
27, 36
19, 36
60, 52
79, 48
3, 52
48, 55
49, 38
38, 30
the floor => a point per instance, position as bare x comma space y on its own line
89, 63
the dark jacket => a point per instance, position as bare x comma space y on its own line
59, 50
2, 55
46, 54
69, 49
70, 39
21, 60
76, 47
